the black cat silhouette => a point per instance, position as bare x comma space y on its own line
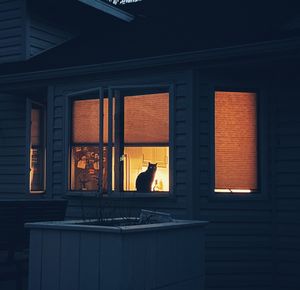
145, 179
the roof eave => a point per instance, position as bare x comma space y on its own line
109, 9
280, 48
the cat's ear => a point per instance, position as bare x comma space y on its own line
156, 164
149, 163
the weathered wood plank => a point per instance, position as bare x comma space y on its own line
51, 260
70, 260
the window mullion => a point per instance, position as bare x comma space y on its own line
110, 132
100, 175
119, 141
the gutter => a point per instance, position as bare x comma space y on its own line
280, 48
109, 9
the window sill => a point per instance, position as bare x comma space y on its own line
238, 196
128, 194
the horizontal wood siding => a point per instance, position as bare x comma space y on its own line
287, 181
58, 140
43, 37
239, 236
11, 31
179, 205
12, 144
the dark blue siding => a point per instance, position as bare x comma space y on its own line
239, 237
182, 141
12, 145
287, 181
43, 37
11, 30
22, 36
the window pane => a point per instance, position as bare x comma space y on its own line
35, 126
86, 121
146, 118
136, 160
85, 168
235, 141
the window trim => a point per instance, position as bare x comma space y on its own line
261, 192
30, 103
144, 89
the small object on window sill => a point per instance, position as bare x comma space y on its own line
149, 217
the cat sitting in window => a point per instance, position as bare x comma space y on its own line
145, 179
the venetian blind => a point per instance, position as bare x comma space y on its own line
146, 118
35, 127
235, 140
85, 121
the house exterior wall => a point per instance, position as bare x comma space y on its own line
181, 84
253, 240
239, 236
22, 35
43, 37
12, 31
286, 173
12, 146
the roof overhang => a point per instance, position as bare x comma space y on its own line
109, 9
256, 52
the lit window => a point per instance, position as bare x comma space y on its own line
85, 157
139, 137
146, 141
235, 142
37, 149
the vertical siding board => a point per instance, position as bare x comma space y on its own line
190, 262
139, 249
70, 249
111, 272
35, 259
89, 256
165, 253
51, 260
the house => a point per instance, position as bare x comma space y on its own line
89, 97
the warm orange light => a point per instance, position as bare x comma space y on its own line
31, 169
86, 121
161, 180
233, 190
146, 118
235, 141
136, 161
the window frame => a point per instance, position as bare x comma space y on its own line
261, 117
30, 104
109, 90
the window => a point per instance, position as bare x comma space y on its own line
235, 142
37, 149
146, 139
132, 126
